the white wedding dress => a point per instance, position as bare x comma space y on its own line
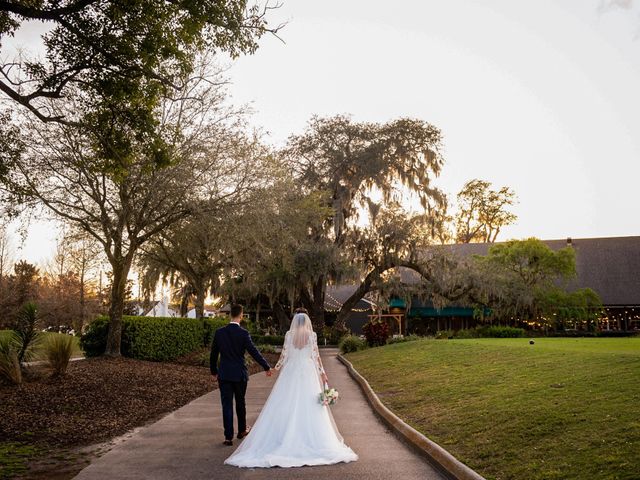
293, 428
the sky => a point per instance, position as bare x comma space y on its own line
541, 96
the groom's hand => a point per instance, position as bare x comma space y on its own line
215, 377
269, 372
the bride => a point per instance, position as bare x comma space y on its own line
293, 428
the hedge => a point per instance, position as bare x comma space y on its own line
275, 340
210, 326
496, 331
152, 338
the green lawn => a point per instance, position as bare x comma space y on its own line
39, 355
559, 409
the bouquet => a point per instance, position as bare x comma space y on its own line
329, 396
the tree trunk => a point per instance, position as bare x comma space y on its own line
200, 297
118, 292
317, 307
352, 301
283, 319
82, 300
184, 303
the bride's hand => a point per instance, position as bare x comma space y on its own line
325, 379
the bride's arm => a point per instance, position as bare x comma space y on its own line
283, 354
316, 357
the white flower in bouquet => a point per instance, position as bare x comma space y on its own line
329, 396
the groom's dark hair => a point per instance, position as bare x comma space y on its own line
302, 310
236, 310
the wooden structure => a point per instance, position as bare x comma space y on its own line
396, 318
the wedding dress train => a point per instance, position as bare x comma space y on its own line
293, 428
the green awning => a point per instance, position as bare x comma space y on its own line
397, 303
442, 312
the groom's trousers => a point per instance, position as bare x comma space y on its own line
229, 390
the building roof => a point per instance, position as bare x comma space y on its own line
336, 295
608, 265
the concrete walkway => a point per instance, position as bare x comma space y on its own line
187, 444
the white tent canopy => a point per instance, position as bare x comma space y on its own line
162, 309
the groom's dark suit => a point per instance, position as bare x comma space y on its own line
230, 343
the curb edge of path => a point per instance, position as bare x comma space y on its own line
438, 456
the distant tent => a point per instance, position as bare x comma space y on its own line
162, 309
207, 313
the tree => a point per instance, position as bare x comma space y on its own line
22, 287
559, 308
69, 296
482, 212
120, 59
351, 162
528, 280
265, 249
191, 254
63, 168
86, 258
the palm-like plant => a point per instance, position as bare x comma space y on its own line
26, 333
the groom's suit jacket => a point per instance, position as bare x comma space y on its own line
230, 343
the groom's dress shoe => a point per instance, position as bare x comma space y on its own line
228, 443
241, 435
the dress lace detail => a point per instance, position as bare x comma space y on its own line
315, 353
283, 354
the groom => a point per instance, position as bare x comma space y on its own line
230, 343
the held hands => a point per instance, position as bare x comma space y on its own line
269, 372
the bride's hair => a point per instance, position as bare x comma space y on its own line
300, 330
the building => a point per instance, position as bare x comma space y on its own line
610, 266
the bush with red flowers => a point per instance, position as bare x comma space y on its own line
376, 332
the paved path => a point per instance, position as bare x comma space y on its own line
187, 444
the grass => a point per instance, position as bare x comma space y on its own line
40, 354
14, 457
560, 409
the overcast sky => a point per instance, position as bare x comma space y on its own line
540, 95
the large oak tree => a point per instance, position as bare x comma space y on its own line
353, 162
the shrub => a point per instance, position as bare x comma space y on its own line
58, 350
276, 340
204, 358
467, 333
27, 332
377, 332
500, 332
9, 363
445, 334
152, 338
210, 326
406, 338
351, 343
266, 348
332, 335
94, 340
